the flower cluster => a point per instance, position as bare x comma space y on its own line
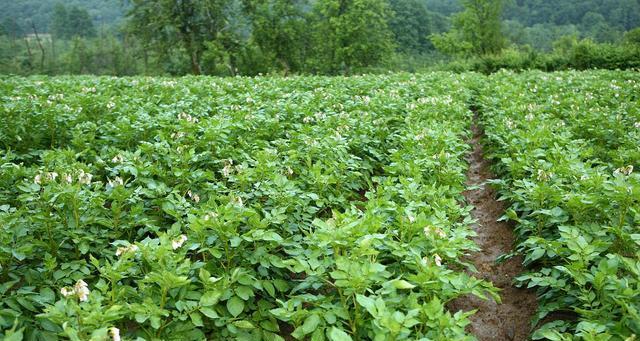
624, 170
428, 230
115, 333
51, 176
436, 259
126, 249
187, 117
84, 178
210, 216
117, 159
117, 181
544, 175
177, 243
79, 290
195, 197
228, 168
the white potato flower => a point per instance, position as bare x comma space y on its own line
82, 290
437, 259
195, 197
79, 290
115, 333
84, 178
177, 243
52, 176
117, 159
66, 292
126, 249
624, 170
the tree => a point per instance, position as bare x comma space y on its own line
189, 24
59, 26
477, 29
71, 22
11, 28
632, 37
351, 34
280, 30
481, 25
80, 23
412, 24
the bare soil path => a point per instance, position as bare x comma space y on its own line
510, 320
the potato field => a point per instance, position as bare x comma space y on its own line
315, 208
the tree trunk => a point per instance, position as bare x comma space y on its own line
193, 53
26, 41
53, 55
39, 45
195, 63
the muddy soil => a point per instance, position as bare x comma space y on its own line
511, 320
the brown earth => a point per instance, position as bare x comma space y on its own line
510, 320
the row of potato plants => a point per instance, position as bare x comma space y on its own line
264, 208
566, 146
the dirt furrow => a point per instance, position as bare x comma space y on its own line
510, 320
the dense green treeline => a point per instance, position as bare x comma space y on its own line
229, 37
22, 13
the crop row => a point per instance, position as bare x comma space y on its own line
245, 209
565, 146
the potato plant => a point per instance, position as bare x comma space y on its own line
307, 208
566, 147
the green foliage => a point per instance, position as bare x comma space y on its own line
280, 29
235, 208
71, 22
568, 53
40, 12
587, 54
452, 43
188, 24
481, 25
351, 34
478, 29
633, 36
619, 14
412, 24
564, 147
100, 55
10, 27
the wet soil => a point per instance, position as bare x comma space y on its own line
510, 320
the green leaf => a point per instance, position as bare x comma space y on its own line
402, 284
14, 335
244, 324
318, 335
536, 254
269, 288
209, 312
71, 333
155, 322
210, 298
18, 255
235, 306
196, 319
339, 335
244, 292
83, 247
368, 303
310, 324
